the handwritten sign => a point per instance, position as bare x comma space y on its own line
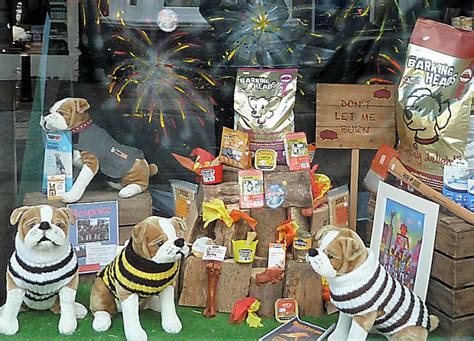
355, 116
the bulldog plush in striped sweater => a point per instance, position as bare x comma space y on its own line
142, 275
42, 272
365, 294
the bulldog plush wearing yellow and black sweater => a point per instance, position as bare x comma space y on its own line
144, 270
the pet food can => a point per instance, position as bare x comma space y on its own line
301, 245
243, 252
211, 175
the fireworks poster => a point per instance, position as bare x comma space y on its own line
403, 236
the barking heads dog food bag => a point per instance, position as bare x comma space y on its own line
263, 105
434, 100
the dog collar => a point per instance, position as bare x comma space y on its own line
82, 126
426, 141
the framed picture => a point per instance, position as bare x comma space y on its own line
95, 234
403, 236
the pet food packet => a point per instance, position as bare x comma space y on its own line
296, 147
57, 157
251, 188
338, 201
263, 106
434, 100
235, 149
455, 180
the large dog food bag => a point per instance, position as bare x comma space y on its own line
263, 105
434, 100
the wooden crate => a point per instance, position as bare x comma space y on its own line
451, 287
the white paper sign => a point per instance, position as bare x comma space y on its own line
96, 253
214, 252
276, 256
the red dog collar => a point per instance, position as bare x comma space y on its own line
82, 126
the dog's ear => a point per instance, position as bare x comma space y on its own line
179, 225
81, 105
17, 213
322, 232
354, 246
139, 239
71, 218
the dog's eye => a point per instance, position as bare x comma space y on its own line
160, 243
330, 256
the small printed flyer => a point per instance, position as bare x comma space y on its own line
57, 158
94, 237
296, 329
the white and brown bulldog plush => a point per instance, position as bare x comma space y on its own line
145, 271
42, 272
95, 149
365, 294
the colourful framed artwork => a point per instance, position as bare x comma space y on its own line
403, 236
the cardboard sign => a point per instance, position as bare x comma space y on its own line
214, 252
355, 116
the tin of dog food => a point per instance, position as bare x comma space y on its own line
265, 159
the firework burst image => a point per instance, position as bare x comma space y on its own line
159, 76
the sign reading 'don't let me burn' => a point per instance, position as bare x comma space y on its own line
355, 116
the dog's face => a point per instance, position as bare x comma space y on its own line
159, 239
65, 114
338, 251
43, 227
426, 113
263, 108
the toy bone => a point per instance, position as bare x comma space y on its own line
213, 273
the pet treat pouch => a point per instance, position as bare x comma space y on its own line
296, 147
251, 188
235, 149
434, 100
263, 106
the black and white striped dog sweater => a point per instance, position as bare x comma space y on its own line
42, 282
369, 288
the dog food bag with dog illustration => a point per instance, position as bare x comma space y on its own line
263, 106
434, 100
235, 150
296, 147
251, 188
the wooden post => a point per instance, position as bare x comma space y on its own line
354, 189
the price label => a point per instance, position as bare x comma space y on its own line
214, 252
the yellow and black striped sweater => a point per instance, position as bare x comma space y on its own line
138, 275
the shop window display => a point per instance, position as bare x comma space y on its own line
218, 102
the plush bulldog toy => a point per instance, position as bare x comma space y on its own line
95, 149
144, 271
42, 272
365, 294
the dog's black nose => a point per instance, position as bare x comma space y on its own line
312, 252
179, 242
44, 226
408, 114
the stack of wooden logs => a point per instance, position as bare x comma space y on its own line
451, 289
239, 280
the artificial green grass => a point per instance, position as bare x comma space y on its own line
35, 325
